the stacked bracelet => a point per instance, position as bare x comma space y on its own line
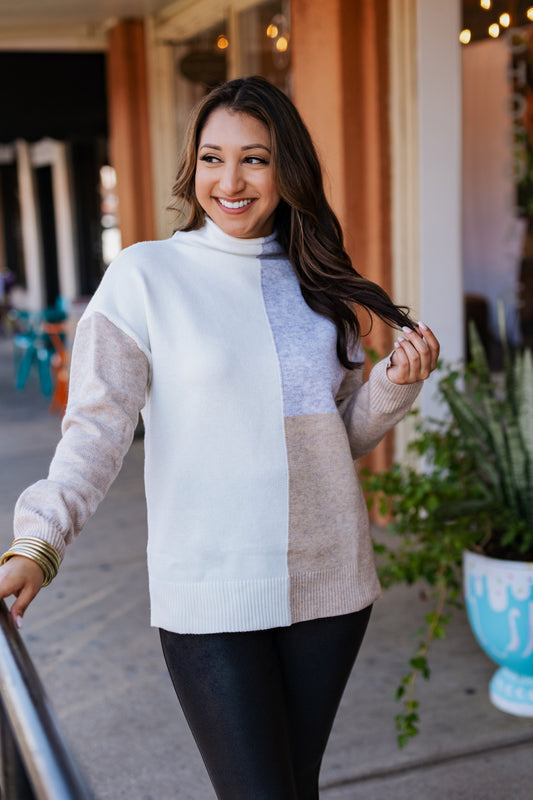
39, 551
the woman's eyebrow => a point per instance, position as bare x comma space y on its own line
245, 147
255, 146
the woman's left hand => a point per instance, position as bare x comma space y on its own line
415, 355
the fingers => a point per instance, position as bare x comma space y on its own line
18, 609
432, 342
418, 354
415, 356
21, 577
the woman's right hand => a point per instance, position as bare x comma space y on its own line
21, 577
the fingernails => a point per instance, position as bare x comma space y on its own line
400, 339
405, 329
422, 326
18, 621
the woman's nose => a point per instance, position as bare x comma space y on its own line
231, 180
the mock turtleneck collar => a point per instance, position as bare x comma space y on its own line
210, 235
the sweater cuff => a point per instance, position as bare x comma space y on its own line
29, 522
387, 396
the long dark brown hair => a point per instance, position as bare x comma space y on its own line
306, 225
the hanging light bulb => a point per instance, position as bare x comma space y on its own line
272, 31
222, 42
465, 36
494, 30
505, 20
282, 44
529, 13
486, 4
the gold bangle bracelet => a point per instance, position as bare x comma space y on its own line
39, 551
42, 553
48, 577
48, 573
20, 546
42, 548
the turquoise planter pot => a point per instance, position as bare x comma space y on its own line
499, 602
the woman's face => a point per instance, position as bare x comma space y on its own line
235, 178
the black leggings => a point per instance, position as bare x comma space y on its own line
261, 705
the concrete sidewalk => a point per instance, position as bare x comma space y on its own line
89, 637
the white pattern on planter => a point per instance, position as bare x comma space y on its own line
497, 591
499, 580
514, 644
529, 646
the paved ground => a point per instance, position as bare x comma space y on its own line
89, 636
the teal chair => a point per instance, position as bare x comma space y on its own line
30, 351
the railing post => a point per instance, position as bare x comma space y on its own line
14, 783
33, 740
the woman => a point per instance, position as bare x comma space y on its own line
239, 340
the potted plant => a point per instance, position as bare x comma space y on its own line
469, 503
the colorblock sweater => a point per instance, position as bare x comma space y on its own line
256, 517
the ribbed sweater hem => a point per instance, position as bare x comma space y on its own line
249, 605
220, 606
333, 591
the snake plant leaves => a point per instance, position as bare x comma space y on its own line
495, 418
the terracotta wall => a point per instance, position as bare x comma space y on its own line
129, 130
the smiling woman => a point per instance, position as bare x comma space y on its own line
235, 175
238, 338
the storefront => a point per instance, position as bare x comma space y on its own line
378, 83
497, 56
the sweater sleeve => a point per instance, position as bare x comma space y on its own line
370, 409
109, 378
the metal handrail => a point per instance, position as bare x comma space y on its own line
27, 717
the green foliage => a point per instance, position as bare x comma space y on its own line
423, 547
473, 489
495, 421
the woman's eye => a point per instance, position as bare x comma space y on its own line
255, 160
209, 159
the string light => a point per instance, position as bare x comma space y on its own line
222, 42
494, 30
278, 31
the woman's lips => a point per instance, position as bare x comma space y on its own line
234, 205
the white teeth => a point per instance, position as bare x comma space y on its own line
236, 204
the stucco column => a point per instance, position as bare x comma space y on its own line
129, 129
440, 179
